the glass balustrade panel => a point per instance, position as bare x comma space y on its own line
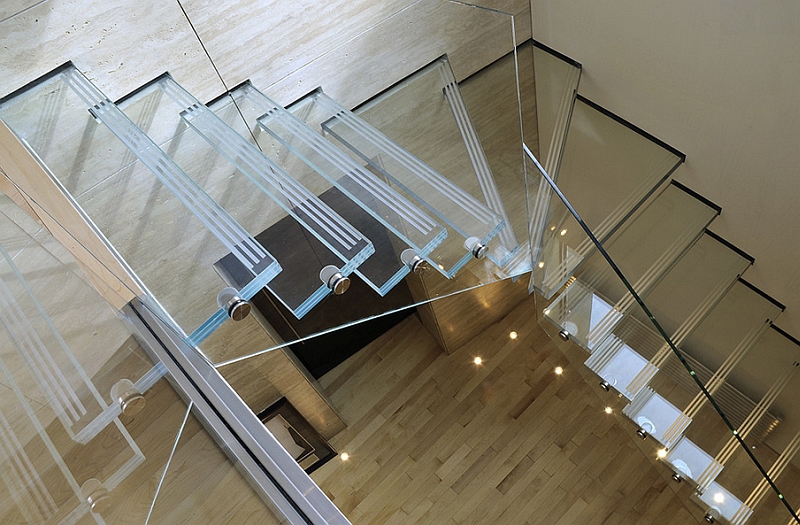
685, 424
87, 419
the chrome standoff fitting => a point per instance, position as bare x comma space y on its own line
96, 495
478, 250
333, 279
233, 304
415, 263
128, 397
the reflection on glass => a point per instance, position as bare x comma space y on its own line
128, 187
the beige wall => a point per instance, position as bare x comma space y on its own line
719, 81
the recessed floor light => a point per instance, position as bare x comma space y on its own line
513, 335
344, 456
563, 232
558, 370
477, 361
609, 410
662, 453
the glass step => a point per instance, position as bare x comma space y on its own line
138, 198
608, 170
645, 250
259, 194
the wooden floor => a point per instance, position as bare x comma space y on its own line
436, 439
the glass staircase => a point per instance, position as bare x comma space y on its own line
244, 194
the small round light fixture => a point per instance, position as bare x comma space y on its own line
344, 456
513, 335
478, 360
541, 264
662, 453
558, 370
719, 497
552, 228
609, 410
563, 232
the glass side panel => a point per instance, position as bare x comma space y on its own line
497, 126
556, 84
644, 251
87, 419
200, 484
632, 164
170, 243
272, 206
685, 414
466, 215
438, 183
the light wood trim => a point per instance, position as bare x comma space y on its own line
45, 201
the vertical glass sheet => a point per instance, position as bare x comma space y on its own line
86, 418
556, 85
427, 99
208, 490
608, 170
463, 213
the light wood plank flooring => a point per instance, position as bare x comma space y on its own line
436, 439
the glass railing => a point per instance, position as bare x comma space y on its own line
90, 429
683, 396
182, 197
